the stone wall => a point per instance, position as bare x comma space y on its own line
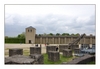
82, 60
67, 52
35, 50
15, 51
50, 48
61, 47
22, 59
53, 56
63, 39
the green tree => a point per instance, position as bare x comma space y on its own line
22, 35
77, 34
65, 34
51, 34
39, 34
58, 34
19, 36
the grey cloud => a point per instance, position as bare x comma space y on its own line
49, 24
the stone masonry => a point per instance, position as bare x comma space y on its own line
35, 50
61, 47
15, 51
50, 48
67, 52
53, 56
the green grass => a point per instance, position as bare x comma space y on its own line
7, 49
62, 59
92, 62
14, 43
6, 53
26, 52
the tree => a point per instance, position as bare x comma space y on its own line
6, 36
22, 35
19, 36
51, 34
39, 34
58, 34
77, 34
65, 34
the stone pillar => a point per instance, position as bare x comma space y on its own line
35, 50
53, 40
67, 52
61, 47
50, 48
58, 40
15, 51
46, 39
40, 40
39, 59
53, 56
90, 39
65, 40
84, 40
71, 39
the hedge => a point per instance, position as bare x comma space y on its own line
14, 40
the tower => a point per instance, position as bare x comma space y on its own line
30, 35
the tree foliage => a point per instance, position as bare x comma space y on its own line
57, 34
22, 35
51, 34
65, 34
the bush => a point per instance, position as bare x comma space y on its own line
14, 40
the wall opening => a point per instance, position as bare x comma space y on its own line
30, 42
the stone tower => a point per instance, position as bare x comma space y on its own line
30, 35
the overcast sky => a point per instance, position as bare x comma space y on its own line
50, 19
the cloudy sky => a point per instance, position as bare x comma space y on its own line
50, 19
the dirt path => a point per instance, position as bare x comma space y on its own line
24, 47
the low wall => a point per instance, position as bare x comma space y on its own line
62, 47
82, 60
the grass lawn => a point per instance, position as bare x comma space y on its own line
62, 59
26, 52
92, 62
